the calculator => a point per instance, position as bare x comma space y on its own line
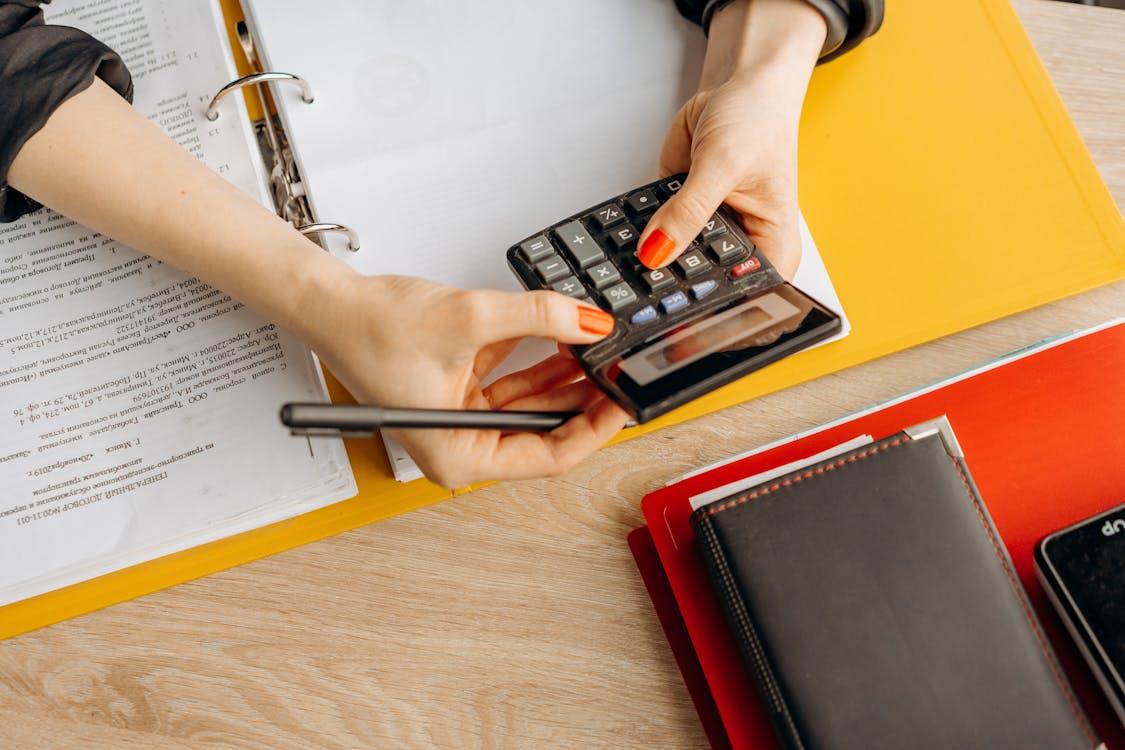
717, 313
1082, 569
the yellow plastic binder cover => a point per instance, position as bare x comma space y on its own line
945, 186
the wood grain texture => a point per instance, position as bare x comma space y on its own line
509, 617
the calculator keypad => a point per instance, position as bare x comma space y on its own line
593, 257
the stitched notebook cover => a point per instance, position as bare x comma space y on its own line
874, 606
925, 178
1045, 451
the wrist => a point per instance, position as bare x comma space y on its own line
315, 308
750, 37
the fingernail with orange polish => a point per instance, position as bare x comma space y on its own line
595, 321
657, 249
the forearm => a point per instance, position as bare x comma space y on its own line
104, 165
749, 36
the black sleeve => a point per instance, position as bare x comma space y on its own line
41, 67
849, 21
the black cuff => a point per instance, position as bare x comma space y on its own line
40, 68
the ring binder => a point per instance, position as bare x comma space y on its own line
286, 188
318, 227
253, 80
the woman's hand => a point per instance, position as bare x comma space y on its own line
400, 341
737, 136
391, 341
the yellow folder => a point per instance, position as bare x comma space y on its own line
945, 186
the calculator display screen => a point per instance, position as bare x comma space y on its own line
759, 321
763, 328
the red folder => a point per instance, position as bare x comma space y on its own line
1043, 432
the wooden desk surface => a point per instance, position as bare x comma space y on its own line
512, 616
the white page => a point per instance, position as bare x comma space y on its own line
138, 407
443, 133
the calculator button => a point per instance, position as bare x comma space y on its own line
603, 274
570, 286
671, 186
607, 216
745, 267
641, 202
703, 288
552, 269
579, 244
619, 296
644, 315
536, 249
726, 251
713, 228
624, 236
658, 280
673, 302
692, 264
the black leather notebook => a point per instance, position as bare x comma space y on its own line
876, 606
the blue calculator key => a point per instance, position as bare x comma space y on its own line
703, 288
644, 315
674, 302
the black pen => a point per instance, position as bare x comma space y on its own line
337, 420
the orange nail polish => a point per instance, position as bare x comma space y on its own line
657, 249
595, 321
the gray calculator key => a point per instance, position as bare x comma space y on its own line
641, 202
726, 250
693, 264
571, 287
713, 228
552, 269
607, 216
658, 279
603, 274
619, 296
536, 249
579, 244
622, 237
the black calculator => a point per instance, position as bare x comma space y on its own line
1082, 568
715, 314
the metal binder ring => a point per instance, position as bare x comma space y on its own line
353, 236
252, 80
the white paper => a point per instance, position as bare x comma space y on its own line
443, 133
138, 406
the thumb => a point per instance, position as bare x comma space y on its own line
492, 316
680, 219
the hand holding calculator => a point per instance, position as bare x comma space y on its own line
718, 312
